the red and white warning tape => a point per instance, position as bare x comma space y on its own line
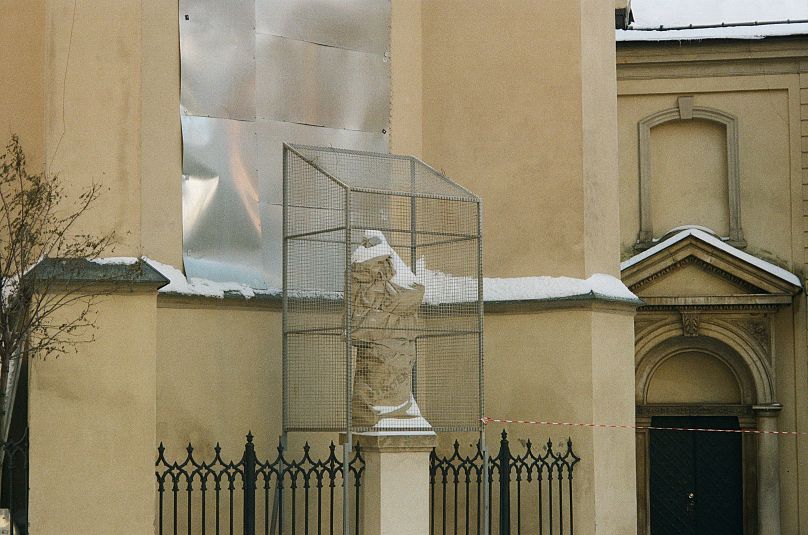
487, 420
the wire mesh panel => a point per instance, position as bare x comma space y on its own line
382, 319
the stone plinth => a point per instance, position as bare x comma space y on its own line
395, 496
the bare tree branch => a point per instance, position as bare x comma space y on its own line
47, 308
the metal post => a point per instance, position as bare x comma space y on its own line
346, 495
481, 383
277, 502
249, 486
414, 261
504, 486
486, 496
285, 302
347, 294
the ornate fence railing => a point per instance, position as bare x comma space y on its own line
530, 492
252, 496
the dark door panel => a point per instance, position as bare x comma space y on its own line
695, 477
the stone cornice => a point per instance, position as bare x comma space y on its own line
274, 302
79, 272
713, 50
742, 270
694, 410
694, 261
711, 308
735, 301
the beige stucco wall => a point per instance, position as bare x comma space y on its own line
569, 366
525, 140
110, 114
675, 381
92, 426
21, 86
218, 376
92, 108
765, 177
406, 53
699, 187
760, 84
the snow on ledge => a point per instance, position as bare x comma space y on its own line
193, 286
115, 261
777, 271
494, 289
549, 288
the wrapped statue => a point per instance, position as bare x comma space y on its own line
385, 301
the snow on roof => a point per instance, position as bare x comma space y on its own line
651, 14
193, 286
718, 244
438, 285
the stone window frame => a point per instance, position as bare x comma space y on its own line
684, 111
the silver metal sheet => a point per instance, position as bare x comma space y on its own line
272, 221
220, 213
352, 24
301, 82
273, 134
217, 57
271, 137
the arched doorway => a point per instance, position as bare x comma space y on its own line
705, 349
695, 482
698, 482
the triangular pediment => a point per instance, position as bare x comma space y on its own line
695, 264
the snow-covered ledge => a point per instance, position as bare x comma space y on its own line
498, 293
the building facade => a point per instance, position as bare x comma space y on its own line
584, 157
712, 134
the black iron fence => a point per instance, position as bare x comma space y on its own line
252, 496
531, 491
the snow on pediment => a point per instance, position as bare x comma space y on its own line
693, 262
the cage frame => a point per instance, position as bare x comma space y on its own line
347, 228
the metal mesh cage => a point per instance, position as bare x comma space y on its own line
382, 295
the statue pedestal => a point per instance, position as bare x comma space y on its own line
395, 496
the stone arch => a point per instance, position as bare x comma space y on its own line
674, 347
749, 362
683, 112
724, 341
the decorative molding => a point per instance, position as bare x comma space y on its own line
690, 323
758, 328
701, 264
695, 410
771, 410
641, 324
685, 111
712, 308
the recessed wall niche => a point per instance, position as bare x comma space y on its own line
689, 176
689, 172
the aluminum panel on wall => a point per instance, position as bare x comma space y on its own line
220, 213
256, 74
354, 25
302, 82
217, 51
